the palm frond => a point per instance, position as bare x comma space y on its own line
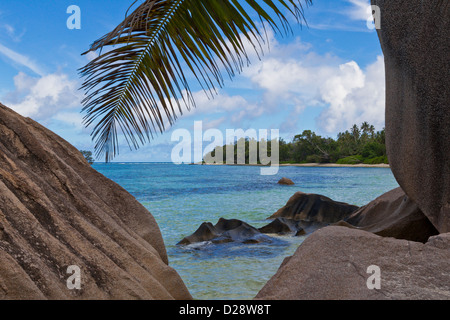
141, 81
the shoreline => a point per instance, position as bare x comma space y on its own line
315, 165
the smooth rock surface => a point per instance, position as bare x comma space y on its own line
393, 214
415, 38
333, 264
315, 208
286, 181
283, 226
57, 211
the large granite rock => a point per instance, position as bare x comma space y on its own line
415, 38
337, 263
314, 207
57, 211
393, 214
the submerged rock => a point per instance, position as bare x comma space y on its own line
314, 208
335, 263
56, 211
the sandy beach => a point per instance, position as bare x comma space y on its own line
361, 165
325, 165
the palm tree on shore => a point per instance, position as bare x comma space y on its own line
138, 85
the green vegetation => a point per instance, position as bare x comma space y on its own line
88, 156
359, 145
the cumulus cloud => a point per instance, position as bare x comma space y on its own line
292, 78
298, 79
41, 98
360, 98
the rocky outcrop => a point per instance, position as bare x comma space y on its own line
314, 207
235, 230
393, 214
232, 230
286, 181
339, 263
336, 262
284, 226
414, 36
56, 211
302, 214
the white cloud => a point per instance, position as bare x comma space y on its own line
9, 29
213, 123
292, 78
21, 59
41, 98
355, 96
302, 79
347, 16
359, 10
72, 119
12, 32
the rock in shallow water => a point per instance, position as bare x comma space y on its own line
302, 214
314, 207
57, 211
279, 225
286, 181
232, 230
283, 226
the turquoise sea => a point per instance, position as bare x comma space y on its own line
181, 197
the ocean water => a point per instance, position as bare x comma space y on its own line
181, 197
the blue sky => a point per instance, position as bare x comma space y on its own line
323, 77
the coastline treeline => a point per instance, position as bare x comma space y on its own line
359, 145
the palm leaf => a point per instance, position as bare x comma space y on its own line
140, 85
